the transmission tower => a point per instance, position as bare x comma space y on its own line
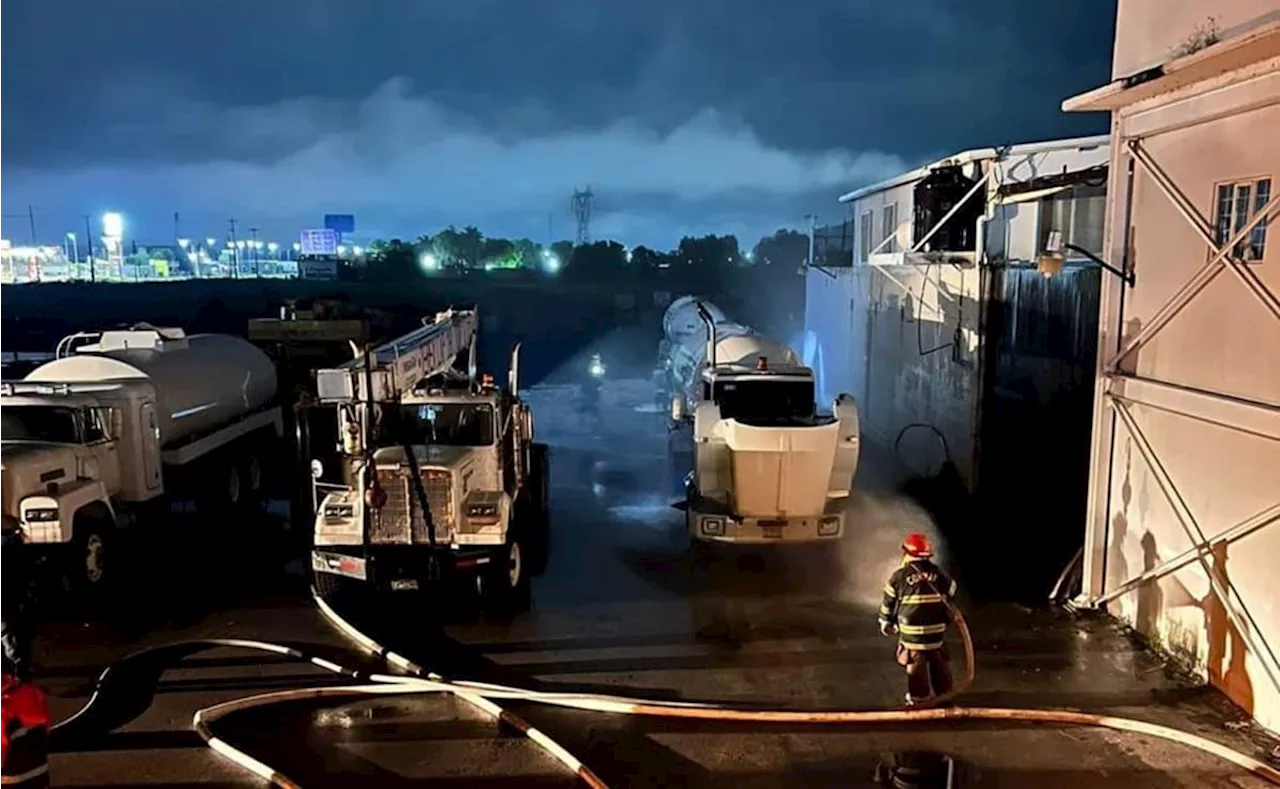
582, 211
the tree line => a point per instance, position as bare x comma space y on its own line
704, 260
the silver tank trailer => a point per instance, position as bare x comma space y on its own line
202, 381
685, 349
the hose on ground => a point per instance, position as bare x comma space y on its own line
485, 696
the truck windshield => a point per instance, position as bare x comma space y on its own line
446, 424
55, 424
766, 402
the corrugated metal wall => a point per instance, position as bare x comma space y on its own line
1036, 416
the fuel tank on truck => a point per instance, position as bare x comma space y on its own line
736, 344
202, 381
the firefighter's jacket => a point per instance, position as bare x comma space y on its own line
915, 599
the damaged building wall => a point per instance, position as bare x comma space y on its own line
1186, 432
900, 329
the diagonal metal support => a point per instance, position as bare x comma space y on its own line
1237, 532
1242, 271
1242, 619
1205, 275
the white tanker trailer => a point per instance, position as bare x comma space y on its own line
764, 465
121, 423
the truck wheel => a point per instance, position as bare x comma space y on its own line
89, 568
536, 528
233, 488
504, 587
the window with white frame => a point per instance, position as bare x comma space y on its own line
1235, 204
889, 227
865, 231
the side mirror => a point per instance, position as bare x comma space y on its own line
678, 412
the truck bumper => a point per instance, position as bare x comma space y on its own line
402, 567
714, 527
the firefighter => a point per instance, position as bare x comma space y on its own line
916, 608
24, 741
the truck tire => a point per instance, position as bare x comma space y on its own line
89, 566
231, 492
536, 528
504, 585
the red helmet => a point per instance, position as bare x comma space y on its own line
917, 546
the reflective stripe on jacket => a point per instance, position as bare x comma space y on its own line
915, 599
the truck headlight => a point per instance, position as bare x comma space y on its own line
829, 527
480, 511
339, 511
42, 515
713, 527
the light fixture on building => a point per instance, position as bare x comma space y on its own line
1053, 258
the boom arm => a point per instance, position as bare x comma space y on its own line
399, 365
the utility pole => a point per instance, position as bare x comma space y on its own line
813, 230
582, 210
235, 251
253, 243
31, 217
177, 227
88, 235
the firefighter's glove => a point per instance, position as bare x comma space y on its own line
887, 628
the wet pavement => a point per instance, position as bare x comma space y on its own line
623, 607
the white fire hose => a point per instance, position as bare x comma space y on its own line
483, 696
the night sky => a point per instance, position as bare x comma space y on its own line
683, 115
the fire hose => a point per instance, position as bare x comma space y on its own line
484, 696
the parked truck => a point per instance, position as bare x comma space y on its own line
760, 463
120, 424
439, 475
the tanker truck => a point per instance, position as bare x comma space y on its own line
760, 463
119, 425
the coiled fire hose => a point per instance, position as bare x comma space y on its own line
484, 696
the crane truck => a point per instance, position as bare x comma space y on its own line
763, 465
438, 473
120, 424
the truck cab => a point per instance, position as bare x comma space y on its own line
441, 476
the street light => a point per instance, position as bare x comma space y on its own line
208, 242
428, 262
272, 247
184, 243
357, 251
551, 262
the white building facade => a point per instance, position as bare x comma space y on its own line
901, 328
1184, 475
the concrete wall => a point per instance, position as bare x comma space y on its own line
1150, 32
1204, 393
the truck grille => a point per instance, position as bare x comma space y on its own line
393, 524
